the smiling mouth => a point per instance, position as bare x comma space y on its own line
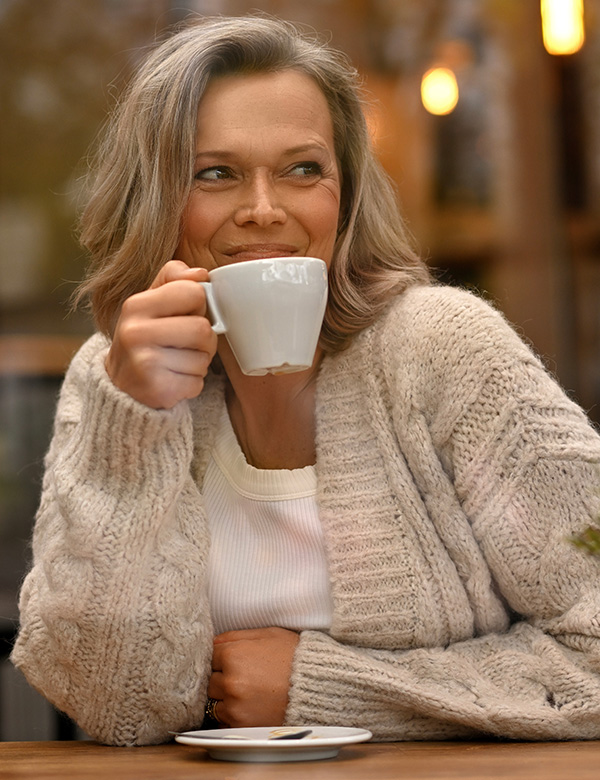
260, 251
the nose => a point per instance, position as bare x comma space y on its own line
260, 203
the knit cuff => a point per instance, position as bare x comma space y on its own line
334, 685
112, 448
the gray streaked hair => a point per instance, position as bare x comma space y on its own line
143, 172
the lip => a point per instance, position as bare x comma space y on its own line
259, 251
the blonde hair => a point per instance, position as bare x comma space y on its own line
144, 172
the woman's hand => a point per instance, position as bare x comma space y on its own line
251, 676
163, 344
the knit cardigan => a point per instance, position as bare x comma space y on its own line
451, 471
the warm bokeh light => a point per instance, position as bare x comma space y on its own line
439, 91
562, 25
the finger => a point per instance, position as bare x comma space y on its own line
184, 332
185, 388
186, 362
218, 711
220, 716
216, 689
179, 297
165, 389
145, 347
240, 635
145, 337
175, 270
217, 659
251, 634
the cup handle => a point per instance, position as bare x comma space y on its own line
212, 310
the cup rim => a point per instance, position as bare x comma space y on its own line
263, 260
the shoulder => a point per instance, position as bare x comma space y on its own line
428, 307
451, 326
440, 348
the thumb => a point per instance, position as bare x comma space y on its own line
176, 270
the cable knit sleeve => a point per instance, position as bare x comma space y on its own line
504, 468
114, 619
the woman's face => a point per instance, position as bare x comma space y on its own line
267, 182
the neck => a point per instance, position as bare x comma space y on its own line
273, 416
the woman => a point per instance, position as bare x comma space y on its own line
378, 541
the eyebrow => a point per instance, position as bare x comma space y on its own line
302, 148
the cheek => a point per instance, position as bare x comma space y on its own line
325, 219
320, 210
199, 225
202, 220
195, 220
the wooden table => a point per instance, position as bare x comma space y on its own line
391, 761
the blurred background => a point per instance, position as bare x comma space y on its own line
486, 114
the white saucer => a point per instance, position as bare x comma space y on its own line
258, 745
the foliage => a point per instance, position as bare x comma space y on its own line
588, 540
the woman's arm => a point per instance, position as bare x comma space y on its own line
539, 680
115, 627
523, 464
521, 685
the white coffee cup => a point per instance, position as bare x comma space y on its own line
271, 311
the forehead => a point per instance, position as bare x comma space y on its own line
260, 101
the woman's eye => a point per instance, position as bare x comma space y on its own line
306, 169
218, 173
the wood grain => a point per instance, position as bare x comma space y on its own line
387, 761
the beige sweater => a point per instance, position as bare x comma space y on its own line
451, 469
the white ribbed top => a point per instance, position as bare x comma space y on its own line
267, 564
